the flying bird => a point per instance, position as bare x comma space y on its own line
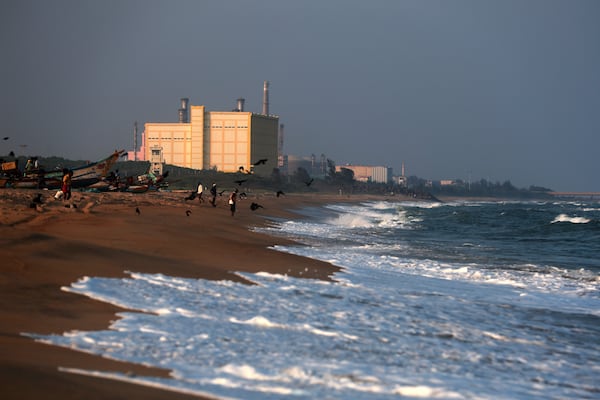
192, 196
280, 193
137, 211
261, 161
188, 212
5, 138
308, 183
221, 192
255, 206
240, 181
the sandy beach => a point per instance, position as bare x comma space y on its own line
48, 246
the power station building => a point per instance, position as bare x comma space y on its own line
368, 173
225, 141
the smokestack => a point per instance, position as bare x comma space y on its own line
183, 111
135, 141
265, 109
240, 104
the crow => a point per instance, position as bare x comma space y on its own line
188, 212
240, 181
37, 199
255, 206
137, 211
308, 183
261, 161
280, 192
12, 153
192, 196
5, 138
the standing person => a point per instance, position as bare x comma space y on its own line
199, 192
213, 193
66, 184
70, 184
232, 201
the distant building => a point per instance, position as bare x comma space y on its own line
368, 173
447, 182
315, 166
227, 141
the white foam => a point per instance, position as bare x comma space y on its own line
389, 325
573, 220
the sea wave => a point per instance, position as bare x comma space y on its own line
573, 220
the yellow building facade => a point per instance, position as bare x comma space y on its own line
224, 141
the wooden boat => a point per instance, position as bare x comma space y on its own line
85, 175
82, 176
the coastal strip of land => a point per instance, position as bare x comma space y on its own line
45, 246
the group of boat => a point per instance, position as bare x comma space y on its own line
95, 176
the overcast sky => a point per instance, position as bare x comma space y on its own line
487, 89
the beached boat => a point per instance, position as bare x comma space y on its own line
83, 176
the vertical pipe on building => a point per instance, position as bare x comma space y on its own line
240, 104
280, 146
183, 111
265, 109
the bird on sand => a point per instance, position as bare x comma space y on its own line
37, 199
261, 161
255, 206
137, 211
240, 181
188, 212
280, 193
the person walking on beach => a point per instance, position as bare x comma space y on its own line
232, 201
213, 193
199, 192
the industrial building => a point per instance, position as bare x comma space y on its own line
316, 167
368, 173
226, 141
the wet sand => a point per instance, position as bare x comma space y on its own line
50, 246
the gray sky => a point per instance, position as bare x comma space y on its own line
487, 89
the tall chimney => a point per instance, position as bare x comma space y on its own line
240, 104
135, 135
265, 109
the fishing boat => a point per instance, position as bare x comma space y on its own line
83, 176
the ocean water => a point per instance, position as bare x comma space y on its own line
464, 300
